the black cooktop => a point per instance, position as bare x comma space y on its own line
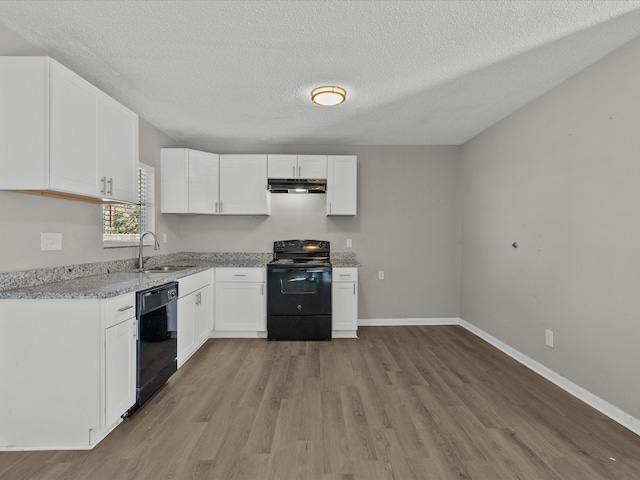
301, 262
291, 252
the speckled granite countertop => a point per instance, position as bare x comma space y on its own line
109, 279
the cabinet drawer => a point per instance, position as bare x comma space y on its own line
120, 308
187, 285
241, 274
347, 274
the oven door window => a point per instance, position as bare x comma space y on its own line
298, 283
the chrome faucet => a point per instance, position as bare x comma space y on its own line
156, 246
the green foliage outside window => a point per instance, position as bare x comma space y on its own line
124, 218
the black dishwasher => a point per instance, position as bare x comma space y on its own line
157, 340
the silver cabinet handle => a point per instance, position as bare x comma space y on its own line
299, 170
103, 180
124, 309
262, 289
345, 275
198, 298
293, 170
135, 330
329, 207
220, 207
216, 207
354, 288
110, 182
239, 275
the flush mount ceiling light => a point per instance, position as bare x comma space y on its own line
328, 96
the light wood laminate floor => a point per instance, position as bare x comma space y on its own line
399, 403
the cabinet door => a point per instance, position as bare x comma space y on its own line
243, 185
117, 150
202, 314
24, 123
282, 166
344, 303
203, 182
341, 184
186, 328
174, 180
73, 130
312, 166
120, 366
240, 307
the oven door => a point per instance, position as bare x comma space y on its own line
298, 290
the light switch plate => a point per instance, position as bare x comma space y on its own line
50, 241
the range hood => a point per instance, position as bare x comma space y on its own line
297, 185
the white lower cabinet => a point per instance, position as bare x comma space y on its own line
68, 370
194, 313
344, 302
240, 302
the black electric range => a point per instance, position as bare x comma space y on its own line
299, 291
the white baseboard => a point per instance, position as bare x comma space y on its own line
237, 334
398, 322
604, 407
344, 334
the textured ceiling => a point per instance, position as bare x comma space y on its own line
416, 72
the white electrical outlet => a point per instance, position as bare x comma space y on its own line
548, 338
381, 275
50, 241
349, 243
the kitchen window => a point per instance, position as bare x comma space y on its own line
122, 223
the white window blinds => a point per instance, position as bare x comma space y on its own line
122, 223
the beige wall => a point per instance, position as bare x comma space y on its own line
562, 178
24, 217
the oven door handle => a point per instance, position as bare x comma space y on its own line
301, 270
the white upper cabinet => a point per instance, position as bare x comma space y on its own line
208, 183
73, 126
243, 185
118, 150
312, 166
297, 166
342, 184
282, 166
189, 181
60, 134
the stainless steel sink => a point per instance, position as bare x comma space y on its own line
166, 268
